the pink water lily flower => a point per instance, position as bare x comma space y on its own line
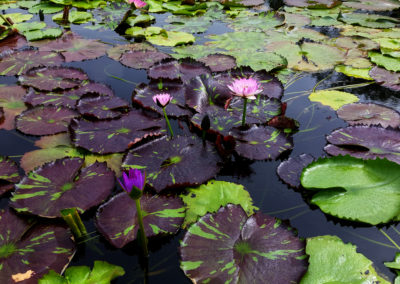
246, 88
138, 3
162, 100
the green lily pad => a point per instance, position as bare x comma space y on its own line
11, 101
46, 7
171, 38
313, 4
387, 62
332, 261
369, 20
333, 99
355, 189
255, 22
76, 17
16, 18
381, 5
188, 24
350, 71
394, 264
50, 33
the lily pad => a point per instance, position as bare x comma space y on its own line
46, 7
350, 71
19, 62
8, 174
208, 198
369, 20
381, 5
50, 33
261, 143
171, 38
355, 189
27, 253
387, 62
142, 59
219, 62
118, 50
117, 135
332, 261
333, 99
369, 114
313, 4
12, 42
290, 170
11, 101
45, 120
53, 78
356, 141
170, 163
255, 22
386, 78
45, 191
231, 247
102, 107
162, 215
76, 17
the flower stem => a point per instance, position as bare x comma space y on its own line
143, 238
169, 125
244, 111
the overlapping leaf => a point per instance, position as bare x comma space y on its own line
290, 170
8, 174
102, 107
11, 101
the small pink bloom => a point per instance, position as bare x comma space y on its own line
138, 3
246, 88
162, 100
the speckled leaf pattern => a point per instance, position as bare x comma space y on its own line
356, 141
290, 170
117, 135
45, 120
19, 62
8, 174
31, 254
261, 143
229, 247
11, 101
45, 192
163, 215
52, 78
171, 163
102, 107
258, 111
142, 59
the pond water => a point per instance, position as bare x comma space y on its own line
269, 193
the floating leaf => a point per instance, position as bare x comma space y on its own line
332, 261
46, 7
313, 4
45, 191
163, 215
381, 5
45, 120
118, 50
188, 24
102, 107
43, 34
369, 20
117, 135
16, 18
12, 42
350, 71
76, 17
8, 174
386, 78
208, 198
290, 170
256, 22
355, 189
394, 264
231, 247
387, 62
369, 114
356, 141
219, 62
170, 163
171, 38
142, 59
333, 99
11, 101
29, 254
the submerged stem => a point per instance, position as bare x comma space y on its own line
143, 238
244, 111
167, 120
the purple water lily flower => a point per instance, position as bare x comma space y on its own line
162, 100
245, 88
138, 3
135, 179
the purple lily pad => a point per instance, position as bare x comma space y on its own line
386, 78
13, 42
52, 78
261, 143
164, 215
8, 174
356, 141
290, 170
19, 62
67, 98
28, 253
142, 59
229, 247
369, 114
45, 120
45, 191
102, 107
313, 4
185, 69
171, 162
143, 96
219, 62
117, 51
11, 100
117, 135
73, 47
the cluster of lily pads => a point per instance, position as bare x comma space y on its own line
90, 135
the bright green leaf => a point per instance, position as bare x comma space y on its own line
334, 99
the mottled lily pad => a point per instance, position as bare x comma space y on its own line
261, 143
356, 141
170, 163
45, 191
19, 62
53, 78
231, 247
369, 20
162, 215
8, 174
219, 62
381, 5
11, 101
142, 59
334, 99
256, 22
314, 4
117, 135
45, 120
12, 42
369, 114
102, 107
290, 170
386, 78
28, 253
118, 50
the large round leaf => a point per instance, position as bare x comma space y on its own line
142, 59
334, 99
290, 170
63, 184
162, 215
12, 42
181, 161
356, 141
11, 101
229, 247
26, 253
387, 62
117, 51
117, 135
102, 107
45, 120
361, 190
8, 174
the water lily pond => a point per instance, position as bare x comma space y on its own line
268, 132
